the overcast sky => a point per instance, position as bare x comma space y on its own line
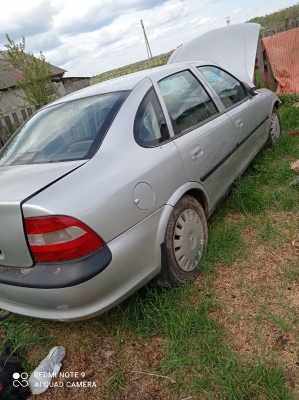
88, 37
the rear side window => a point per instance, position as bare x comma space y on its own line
64, 132
187, 102
228, 88
150, 128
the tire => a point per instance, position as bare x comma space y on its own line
275, 127
4, 314
186, 240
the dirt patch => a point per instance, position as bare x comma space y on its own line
125, 370
259, 302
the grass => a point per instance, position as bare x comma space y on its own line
291, 273
212, 368
172, 343
274, 318
115, 383
226, 242
266, 184
24, 334
197, 359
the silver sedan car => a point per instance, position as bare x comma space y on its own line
110, 187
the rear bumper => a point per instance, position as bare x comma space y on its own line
136, 259
57, 275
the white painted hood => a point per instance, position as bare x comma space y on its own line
233, 47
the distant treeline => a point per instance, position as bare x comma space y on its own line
277, 17
138, 66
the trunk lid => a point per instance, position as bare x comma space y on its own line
18, 183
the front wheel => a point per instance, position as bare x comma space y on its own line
186, 240
275, 127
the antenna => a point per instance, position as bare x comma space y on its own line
148, 49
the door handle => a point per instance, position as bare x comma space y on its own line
239, 123
196, 152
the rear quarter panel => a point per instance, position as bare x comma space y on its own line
100, 193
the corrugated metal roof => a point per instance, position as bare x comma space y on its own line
9, 79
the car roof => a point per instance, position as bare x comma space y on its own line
125, 82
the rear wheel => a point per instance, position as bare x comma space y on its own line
275, 127
186, 240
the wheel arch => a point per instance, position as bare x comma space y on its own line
276, 103
195, 190
200, 197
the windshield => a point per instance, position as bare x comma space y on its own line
64, 132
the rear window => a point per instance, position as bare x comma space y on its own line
65, 132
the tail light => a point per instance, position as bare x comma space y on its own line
58, 238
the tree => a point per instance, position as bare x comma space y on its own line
34, 73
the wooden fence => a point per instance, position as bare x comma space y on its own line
10, 123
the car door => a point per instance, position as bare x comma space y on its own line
206, 139
247, 113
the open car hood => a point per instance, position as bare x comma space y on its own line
233, 47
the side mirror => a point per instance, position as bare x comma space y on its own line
250, 90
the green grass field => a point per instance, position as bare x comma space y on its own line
217, 338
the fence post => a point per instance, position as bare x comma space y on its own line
16, 119
271, 79
9, 124
260, 61
270, 72
24, 115
2, 142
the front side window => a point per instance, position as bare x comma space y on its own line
64, 132
187, 102
150, 128
228, 88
